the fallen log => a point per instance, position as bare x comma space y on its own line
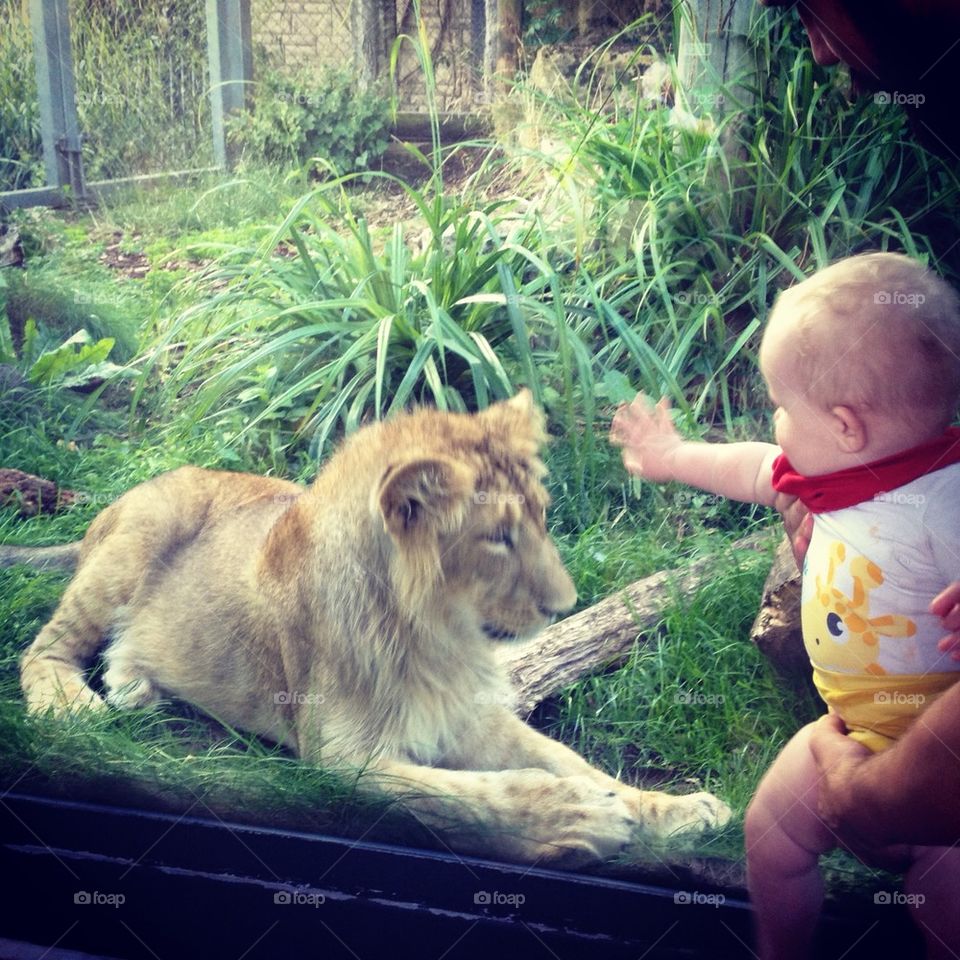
603, 635
31, 495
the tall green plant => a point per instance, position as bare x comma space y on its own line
303, 115
349, 327
702, 224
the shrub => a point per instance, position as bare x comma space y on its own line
703, 224
351, 326
305, 115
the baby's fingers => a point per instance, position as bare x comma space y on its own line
629, 418
661, 413
620, 426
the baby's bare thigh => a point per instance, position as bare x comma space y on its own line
788, 796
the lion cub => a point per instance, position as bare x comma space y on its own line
355, 622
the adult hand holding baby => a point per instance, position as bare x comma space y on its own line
838, 758
946, 606
797, 522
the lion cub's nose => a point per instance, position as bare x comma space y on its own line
549, 612
561, 599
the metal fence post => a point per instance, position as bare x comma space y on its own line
231, 66
60, 129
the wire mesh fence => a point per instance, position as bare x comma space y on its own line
142, 89
21, 152
142, 79
294, 34
142, 85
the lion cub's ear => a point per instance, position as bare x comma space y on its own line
429, 492
519, 418
522, 402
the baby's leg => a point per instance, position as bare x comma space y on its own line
785, 838
933, 880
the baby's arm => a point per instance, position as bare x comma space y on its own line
653, 449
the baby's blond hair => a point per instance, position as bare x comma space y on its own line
876, 331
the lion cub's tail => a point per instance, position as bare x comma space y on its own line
62, 557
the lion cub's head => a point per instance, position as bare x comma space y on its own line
464, 506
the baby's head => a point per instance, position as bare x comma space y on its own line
862, 360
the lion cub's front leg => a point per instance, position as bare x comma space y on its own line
527, 815
502, 740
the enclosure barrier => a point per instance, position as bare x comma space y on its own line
132, 884
230, 59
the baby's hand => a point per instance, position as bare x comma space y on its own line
946, 606
648, 437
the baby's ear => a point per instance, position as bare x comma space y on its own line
848, 428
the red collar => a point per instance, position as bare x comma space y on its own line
834, 491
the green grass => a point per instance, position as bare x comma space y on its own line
695, 700
695, 706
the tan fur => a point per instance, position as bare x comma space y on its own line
354, 621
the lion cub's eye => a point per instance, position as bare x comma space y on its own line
501, 536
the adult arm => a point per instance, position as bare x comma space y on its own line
906, 794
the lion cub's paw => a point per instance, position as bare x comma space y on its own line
691, 813
130, 694
67, 698
584, 823
565, 820
665, 814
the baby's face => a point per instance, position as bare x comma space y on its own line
803, 428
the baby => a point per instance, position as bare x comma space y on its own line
862, 363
